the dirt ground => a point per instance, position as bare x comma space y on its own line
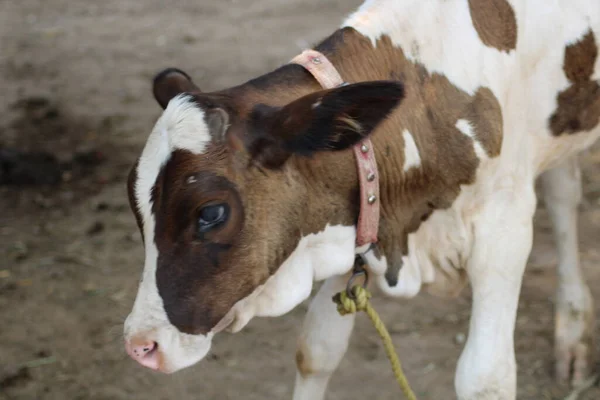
75, 82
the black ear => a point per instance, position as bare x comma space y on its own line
331, 120
171, 82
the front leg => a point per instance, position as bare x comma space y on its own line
502, 243
323, 342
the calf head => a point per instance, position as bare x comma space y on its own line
221, 208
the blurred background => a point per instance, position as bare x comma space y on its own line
76, 110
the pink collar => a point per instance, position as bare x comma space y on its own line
368, 219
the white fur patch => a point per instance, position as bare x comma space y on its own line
375, 265
464, 59
409, 280
184, 125
323, 341
465, 127
181, 126
149, 320
317, 257
436, 253
412, 158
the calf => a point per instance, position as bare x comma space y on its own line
247, 196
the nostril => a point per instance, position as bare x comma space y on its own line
137, 349
144, 352
150, 348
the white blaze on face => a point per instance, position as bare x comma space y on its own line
181, 126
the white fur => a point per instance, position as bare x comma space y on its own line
464, 60
149, 319
412, 158
409, 280
487, 367
317, 257
433, 248
184, 125
323, 341
574, 305
465, 127
181, 126
375, 265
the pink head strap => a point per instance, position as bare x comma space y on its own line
368, 219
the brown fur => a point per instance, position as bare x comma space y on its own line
495, 23
579, 104
429, 111
303, 363
200, 280
485, 115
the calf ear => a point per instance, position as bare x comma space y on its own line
328, 120
171, 82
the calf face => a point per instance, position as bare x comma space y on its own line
221, 206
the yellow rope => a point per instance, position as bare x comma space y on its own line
360, 302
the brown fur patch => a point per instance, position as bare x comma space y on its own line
485, 115
579, 104
580, 58
495, 23
302, 364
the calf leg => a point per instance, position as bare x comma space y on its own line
574, 320
323, 342
502, 242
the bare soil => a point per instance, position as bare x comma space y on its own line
75, 82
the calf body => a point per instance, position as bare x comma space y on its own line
247, 196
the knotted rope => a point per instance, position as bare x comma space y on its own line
359, 300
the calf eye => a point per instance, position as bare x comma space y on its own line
212, 216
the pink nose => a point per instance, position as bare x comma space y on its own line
145, 352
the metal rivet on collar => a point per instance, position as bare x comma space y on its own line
364, 148
316, 60
372, 198
371, 176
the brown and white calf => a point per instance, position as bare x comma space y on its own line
247, 196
